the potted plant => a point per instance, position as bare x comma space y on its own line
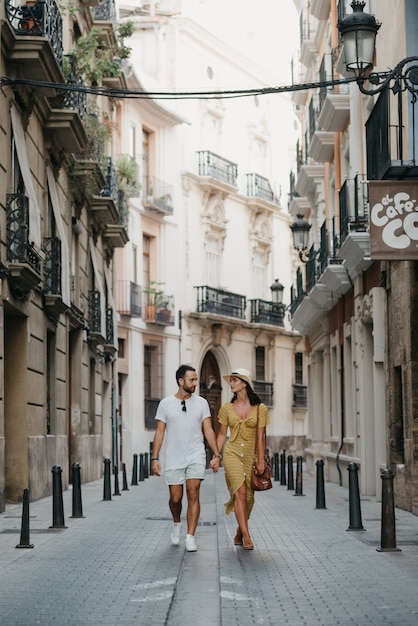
154, 293
164, 305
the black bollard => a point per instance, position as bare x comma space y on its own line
283, 468
388, 527
135, 470
299, 478
354, 498
320, 486
124, 478
141, 468
24, 531
146, 465
276, 466
290, 481
57, 502
106, 481
76, 482
116, 473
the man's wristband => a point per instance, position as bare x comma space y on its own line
217, 456
155, 459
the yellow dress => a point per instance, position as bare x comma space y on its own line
238, 454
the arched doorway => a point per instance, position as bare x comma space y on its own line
210, 387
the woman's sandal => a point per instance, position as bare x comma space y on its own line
247, 544
238, 537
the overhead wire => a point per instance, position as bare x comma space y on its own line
111, 92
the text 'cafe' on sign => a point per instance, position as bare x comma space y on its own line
393, 220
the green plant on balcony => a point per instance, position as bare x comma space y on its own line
94, 60
126, 169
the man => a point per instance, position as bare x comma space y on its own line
185, 418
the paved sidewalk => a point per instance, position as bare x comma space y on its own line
116, 567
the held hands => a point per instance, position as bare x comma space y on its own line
214, 464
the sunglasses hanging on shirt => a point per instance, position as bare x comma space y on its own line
183, 405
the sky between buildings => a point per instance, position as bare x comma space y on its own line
266, 31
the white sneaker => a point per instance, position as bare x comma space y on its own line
190, 544
175, 535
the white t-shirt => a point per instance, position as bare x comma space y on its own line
184, 442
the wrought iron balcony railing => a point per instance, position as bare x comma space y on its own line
312, 269
94, 312
52, 266
300, 396
18, 248
106, 12
211, 300
297, 293
128, 298
328, 247
259, 187
110, 334
263, 312
157, 195
354, 213
264, 391
41, 18
391, 142
110, 190
217, 167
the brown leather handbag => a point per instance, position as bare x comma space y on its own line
261, 482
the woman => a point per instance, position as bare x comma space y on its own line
240, 415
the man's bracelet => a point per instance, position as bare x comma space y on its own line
155, 459
217, 456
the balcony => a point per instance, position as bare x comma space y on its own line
64, 117
160, 312
95, 331
87, 178
105, 16
128, 298
354, 225
220, 302
391, 143
308, 43
264, 391
259, 187
109, 346
218, 169
335, 111
52, 277
157, 195
263, 312
309, 177
33, 41
24, 262
300, 397
332, 273
104, 206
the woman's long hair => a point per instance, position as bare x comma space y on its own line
252, 396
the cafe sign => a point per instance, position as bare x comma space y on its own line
393, 220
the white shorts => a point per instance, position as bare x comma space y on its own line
179, 476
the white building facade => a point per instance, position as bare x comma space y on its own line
216, 240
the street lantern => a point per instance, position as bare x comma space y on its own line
277, 292
300, 231
358, 31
